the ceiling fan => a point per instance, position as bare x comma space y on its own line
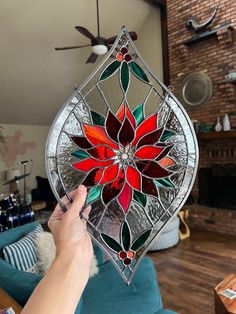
99, 44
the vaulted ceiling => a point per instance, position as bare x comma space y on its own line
35, 79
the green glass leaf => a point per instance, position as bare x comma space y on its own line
166, 135
97, 118
140, 241
111, 243
124, 76
138, 114
125, 236
80, 154
109, 70
164, 183
93, 194
138, 71
140, 198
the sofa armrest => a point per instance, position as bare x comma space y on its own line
18, 284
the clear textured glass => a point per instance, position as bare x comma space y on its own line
126, 137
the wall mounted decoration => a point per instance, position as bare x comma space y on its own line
13, 147
193, 23
196, 90
126, 137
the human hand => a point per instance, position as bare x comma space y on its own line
69, 230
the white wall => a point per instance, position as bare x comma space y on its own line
150, 47
149, 41
23, 142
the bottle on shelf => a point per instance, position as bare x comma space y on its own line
218, 126
226, 123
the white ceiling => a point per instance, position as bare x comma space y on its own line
35, 80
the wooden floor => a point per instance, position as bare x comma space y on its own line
188, 272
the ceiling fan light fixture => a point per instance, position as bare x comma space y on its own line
100, 49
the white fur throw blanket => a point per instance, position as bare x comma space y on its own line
46, 250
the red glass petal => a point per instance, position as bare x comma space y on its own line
166, 162
125, 197
81, 142
130, 116
125, 111
164, 152
97, 136
126, 134
133, 178
101, 152
93, 177
113, 126
148, 152
147, 126
150, 138
149, 187
89, 163
152, 169
109, 174
121, 112
112, 190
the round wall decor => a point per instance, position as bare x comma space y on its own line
196, 90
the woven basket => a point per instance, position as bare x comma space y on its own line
168, 237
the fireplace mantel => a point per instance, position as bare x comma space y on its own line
216, 135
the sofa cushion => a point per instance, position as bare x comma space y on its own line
18, 284
46, 252
22, 254
12, 235
111, 295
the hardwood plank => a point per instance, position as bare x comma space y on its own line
6, 301
189, 272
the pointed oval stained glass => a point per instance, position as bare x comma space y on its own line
126, 137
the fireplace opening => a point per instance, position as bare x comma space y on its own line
217, 186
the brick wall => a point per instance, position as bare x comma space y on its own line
215, 56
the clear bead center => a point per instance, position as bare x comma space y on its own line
124, 156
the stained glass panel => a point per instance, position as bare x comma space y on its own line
126, 137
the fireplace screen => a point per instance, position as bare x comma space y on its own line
126, 137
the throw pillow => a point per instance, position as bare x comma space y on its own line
22, 254
46, 251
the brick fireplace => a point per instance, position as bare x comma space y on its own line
216, 56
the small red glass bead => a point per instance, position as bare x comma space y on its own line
127, 261
119, 57
122, 254
130, 254
128, 57
124, 50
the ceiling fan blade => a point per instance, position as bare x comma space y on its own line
72, 47
111, 40
133, 35
84, 31
92, 58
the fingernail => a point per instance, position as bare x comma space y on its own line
81, 189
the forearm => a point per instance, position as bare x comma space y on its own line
61, 288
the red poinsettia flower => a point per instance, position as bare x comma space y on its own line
123, 156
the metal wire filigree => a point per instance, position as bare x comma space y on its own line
126, 137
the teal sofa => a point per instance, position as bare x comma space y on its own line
105, 293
